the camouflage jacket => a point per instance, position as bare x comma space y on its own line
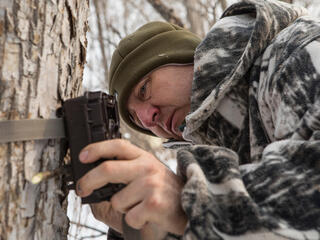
253, 171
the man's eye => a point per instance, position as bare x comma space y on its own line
143, 91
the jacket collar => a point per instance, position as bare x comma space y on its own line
229, 63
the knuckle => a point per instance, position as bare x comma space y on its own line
149, 167
115, 202
121, 143
133, 221
148, 155
151, 183
153, 202
106, 167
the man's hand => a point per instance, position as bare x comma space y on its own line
152, 194
104, 212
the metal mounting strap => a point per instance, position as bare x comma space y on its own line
31, 129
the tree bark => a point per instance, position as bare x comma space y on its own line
42, 55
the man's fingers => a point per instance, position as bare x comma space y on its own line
137, 216
128, 197
115, 148
115, 171
104, 212
146, 211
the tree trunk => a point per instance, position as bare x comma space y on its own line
42, 55
193, 16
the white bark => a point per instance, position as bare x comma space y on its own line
42, 54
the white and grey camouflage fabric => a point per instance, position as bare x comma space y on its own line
253, 171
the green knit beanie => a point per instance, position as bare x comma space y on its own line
151, 46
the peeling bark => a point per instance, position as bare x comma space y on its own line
42, 55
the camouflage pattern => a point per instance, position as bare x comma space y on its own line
253, 171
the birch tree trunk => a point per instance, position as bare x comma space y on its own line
193, 16
42, 55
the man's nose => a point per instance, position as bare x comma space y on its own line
148, 115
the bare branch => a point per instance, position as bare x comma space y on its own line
92, 236
114, 30
165, 12
100, 37
112, 43
214, 14
91, 228
140, 8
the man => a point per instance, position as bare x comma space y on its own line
250, 166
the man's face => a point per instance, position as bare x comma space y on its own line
161, 100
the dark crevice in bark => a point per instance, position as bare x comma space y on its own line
4, 28
15, 9
34, 19
83, 54
7, 193
59, 96
41, 45
26, 112
21, 52
71, 21
41, 160
11, 113
53, 22
23, 162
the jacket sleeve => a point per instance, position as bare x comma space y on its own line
277, 197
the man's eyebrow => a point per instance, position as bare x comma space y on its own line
145, 79
137, 87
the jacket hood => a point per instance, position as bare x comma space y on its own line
230, 55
